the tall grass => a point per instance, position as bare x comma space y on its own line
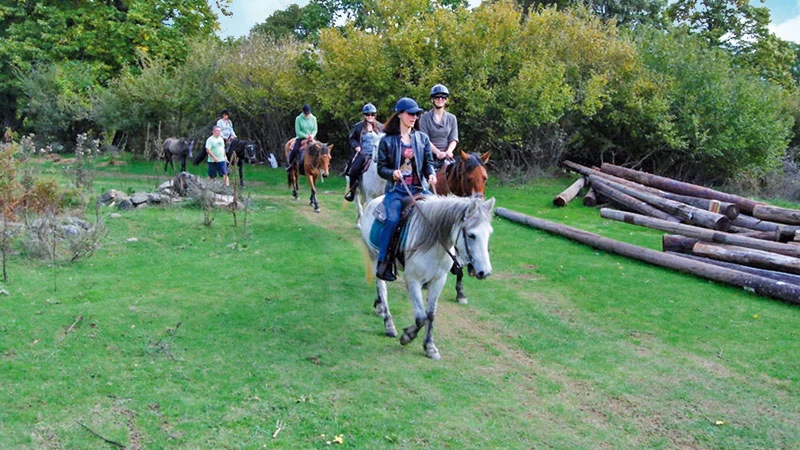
180, 335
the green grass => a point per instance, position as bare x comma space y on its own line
197, 337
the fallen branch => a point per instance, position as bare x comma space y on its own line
109, 441
72, 327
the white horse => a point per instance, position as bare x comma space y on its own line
439, 230
371, 186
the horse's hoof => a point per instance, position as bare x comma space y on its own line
432, 352
462, 300
316, 210
391, 331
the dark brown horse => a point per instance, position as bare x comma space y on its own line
316, 160
466, 177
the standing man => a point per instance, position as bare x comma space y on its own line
217, 161
305, 127
440, 126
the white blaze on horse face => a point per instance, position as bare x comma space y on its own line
476, 233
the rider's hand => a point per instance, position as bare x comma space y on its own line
397, 174
432, 179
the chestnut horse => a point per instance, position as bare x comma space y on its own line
316, 160
466, 177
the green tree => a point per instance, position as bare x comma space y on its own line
105, 35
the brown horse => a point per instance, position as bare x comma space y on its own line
316, 160
466, 177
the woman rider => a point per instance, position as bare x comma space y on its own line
406, 162
364, 140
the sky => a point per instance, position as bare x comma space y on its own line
246, 13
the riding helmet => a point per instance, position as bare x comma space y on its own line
440, 89
408, 105
369, 108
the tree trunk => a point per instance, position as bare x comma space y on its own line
686, 212
590, 199
679, 187
569, 193
701, 233
716, 206
772, 274
627, 202
748, 257
785, 232
760, 285
774, 213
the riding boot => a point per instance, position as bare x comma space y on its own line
385, 271
351, 191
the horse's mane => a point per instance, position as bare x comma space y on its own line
433, 222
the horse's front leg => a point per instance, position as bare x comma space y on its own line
434, 290
313, 199
381, 306
460, 296
414, 288
241, 173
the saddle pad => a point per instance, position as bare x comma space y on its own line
377, 229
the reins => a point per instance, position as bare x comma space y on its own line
452, 256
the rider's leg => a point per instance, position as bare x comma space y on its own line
293, 153
355, 175
394, 207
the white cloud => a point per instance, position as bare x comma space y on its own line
788, 30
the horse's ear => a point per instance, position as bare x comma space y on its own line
489, 204
464, 156
330, 147
485, 156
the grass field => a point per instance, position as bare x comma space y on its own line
176, 335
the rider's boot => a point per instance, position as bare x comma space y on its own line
385, 271
351, 191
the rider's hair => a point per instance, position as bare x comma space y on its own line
392, 125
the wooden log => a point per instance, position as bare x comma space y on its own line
569, 193
754, 283
677, 243
701, 233
679, 187
765, 235
772, 274
590, 199
716, 206
627, 202
686, 212
785, 232
747, 257
777, 214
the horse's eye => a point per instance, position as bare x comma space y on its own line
471, 236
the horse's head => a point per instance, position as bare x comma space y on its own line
323, 151
250, 152
474, 174
475, 231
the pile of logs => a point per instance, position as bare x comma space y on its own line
710, 233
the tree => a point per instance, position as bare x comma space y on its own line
105, 35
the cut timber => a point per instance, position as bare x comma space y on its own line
785, 232
748, 257
677, 243
590, 199
775, 275
686, 212
760, 285
679, 187
624, 200
569, 193
728, 209
701, 233
776, 214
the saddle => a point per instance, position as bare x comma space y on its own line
399, 236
